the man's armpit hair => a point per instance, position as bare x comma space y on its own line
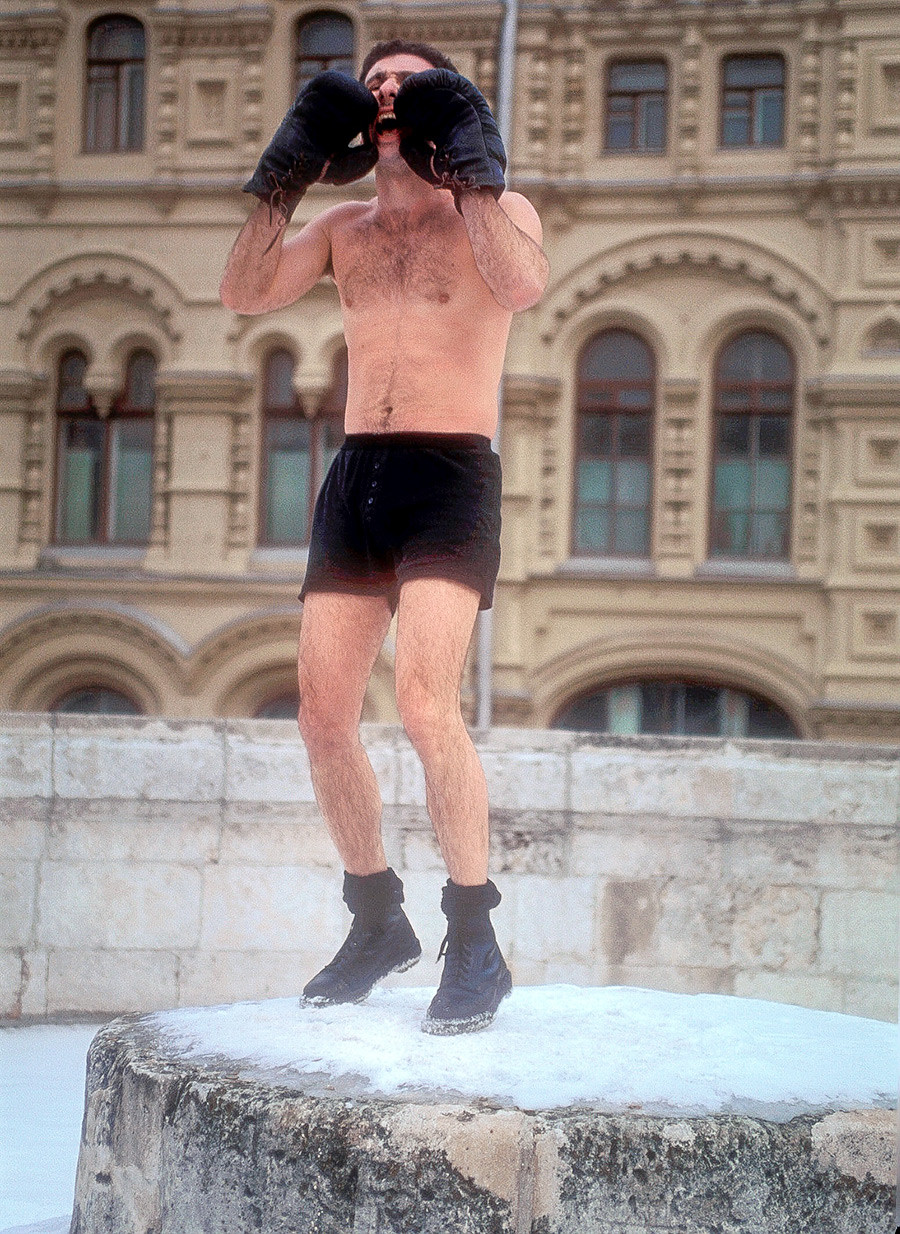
405, 47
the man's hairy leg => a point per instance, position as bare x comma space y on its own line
340, 638
434, 628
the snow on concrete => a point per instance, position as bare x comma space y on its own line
42, 1072
615, 1048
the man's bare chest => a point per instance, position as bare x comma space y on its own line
428, 263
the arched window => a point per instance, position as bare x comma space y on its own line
754, 396
613, 446
675, 708
114, 96
324, 41
96, 700
752, 101
281, 707
105, 475
636, 106
297, 452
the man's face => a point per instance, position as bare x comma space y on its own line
384, 79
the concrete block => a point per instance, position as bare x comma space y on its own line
133, 831
18, 883
554, 918
275, 836
694, 925
158, 760
775, 927
858, 933
23, 828
282, 908
210, 978
756, 854
260, 769
26, 744
111, 981
35, 969
625, 850
525, 843
97, 905
791, 791
525, 779
865, 857
801, 989
618, 782
10, 984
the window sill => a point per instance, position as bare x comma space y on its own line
767, 571
607, 567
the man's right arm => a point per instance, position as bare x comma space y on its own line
265, 273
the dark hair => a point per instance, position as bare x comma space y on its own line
403, 47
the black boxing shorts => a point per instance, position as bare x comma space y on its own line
396, 506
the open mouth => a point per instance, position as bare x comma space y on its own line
386, 123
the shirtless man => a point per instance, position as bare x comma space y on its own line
429, 273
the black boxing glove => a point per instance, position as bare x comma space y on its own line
450, 137
314, 137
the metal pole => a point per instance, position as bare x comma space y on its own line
505, 81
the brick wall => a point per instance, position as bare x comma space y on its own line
150, 863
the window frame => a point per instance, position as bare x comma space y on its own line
609, 93
618, 383
757, 412
754, 90
89, 63
326, 62
120, 410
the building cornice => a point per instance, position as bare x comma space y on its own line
244, 25
32, 30
842, 390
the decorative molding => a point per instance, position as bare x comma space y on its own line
809, 97
675, 497
687, 115
35, 32
809, 496
860, 719
845, 105
94, 275
446, 25
211, 31
706, 253
184, 391
840, 392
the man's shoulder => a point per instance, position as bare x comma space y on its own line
343, 214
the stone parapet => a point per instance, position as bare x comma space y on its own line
150, 863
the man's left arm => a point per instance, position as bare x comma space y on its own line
506, 242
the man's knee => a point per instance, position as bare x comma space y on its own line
428, 716
325, 720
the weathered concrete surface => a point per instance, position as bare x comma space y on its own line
173, 1144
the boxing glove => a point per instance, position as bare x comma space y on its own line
449, 136
314, 137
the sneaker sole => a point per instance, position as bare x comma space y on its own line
360, 998
452, 1028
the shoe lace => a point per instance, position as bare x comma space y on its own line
356, 941
460, 956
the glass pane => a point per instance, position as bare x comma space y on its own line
594, 480
637, 75
773, 484
733, 437
734, 400
657, 708
101, 117
769, 536
141, 388
732, 486
592, 530
769, 117
736, 128
596, 435
632, 484
632, 533
754, 71
652, 124
132, 481
279, 374
775, 398
701, 711
734, 710
585, 715
774, 435
617, 355
72, 393
80, 467
636, 397
326, 34
755, 356
116, 38
764, 719
97, 700
288, 482
620, 133
624, 710
283, 708
132, 124
634, 436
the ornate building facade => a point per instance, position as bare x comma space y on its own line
701, 428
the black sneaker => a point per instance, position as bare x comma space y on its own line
474, 983
369, 953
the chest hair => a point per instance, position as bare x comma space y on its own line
399, 260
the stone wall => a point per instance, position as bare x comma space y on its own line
150, 863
